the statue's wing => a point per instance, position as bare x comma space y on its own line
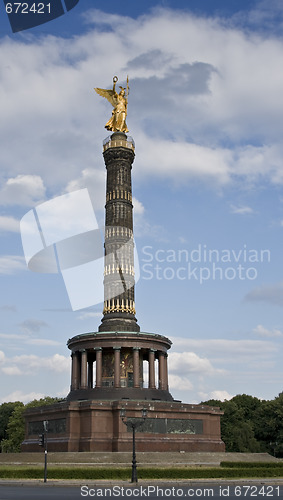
108, 94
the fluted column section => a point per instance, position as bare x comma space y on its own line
75, 371
117, 378
151, 369
136, 366
98, 367
166, 372
84, 370
90, 374
161, 367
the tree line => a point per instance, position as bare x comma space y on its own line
12, 423
249, 424
252, 425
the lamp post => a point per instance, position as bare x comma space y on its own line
45, 426
42, 441
133, 424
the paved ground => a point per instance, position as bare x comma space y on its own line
125, 458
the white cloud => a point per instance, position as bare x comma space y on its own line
11, 370
94, 180
190, 362
27, 364
194, 161
179, 383
195, 84
138, 207
271, 294
56, 363
13, 336
87, 315
23, 190
220, 395
241, 210
30, 326
225, 353
21, 396
264, 332
26, 339
8, 308
2, 357
11, 264
9, 224
42, 342
265, 15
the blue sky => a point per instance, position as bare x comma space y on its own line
205, 110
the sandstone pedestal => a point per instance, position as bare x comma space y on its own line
97, 426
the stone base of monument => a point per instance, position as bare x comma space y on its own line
96, 425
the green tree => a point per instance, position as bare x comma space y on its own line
269, 426
16, 424
248, 404
6, 410
15, 430
237, 423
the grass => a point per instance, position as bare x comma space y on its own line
227, 470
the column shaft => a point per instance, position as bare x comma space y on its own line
136, 366
117, 379
151, 369
161, 366
98, 367
75, 371
90, 374
84, 370
166, 372
72, 372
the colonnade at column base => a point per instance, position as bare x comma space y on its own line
97, 426
119, 364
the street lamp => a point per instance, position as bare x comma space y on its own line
133, 424
42, 441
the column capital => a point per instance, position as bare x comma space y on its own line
136, 348
117, 348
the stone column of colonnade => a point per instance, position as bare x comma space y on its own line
75, 381
151, 369
117, 358
98, 382
90, 373
161, 370
82, 369
136, 366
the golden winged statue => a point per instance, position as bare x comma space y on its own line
117, 122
